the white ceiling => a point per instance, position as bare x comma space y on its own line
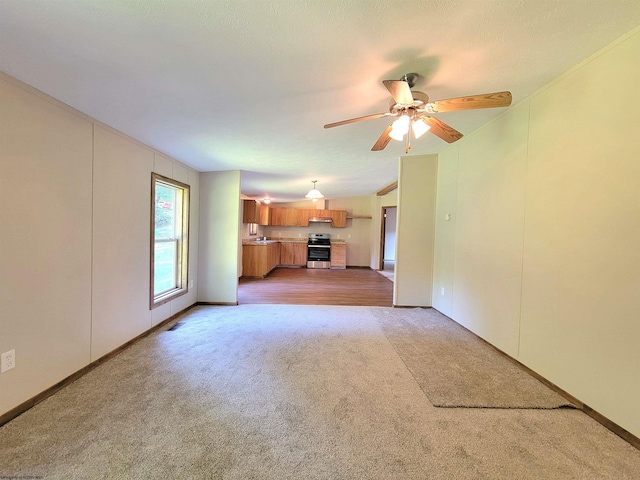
248, 84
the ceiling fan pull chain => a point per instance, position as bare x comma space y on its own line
408, 146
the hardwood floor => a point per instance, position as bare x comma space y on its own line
302, 286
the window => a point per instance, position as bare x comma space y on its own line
169, 239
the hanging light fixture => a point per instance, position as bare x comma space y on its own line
314, 194
266, 201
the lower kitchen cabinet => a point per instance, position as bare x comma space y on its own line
260, 258
338, 255
293, 253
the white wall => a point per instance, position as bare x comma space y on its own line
220, 240
545, 231
445, 237
74, 251
415, 231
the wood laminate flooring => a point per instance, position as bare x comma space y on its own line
302, 286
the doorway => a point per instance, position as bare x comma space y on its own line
388, 240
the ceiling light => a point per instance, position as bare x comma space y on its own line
266, 201
419, 127
396, 135
399, 128
314, 194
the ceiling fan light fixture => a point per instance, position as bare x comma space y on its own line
314, 194
396, 135
399, 128
419, 127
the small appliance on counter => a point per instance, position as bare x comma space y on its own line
319, 250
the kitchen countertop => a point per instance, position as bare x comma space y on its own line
251, 241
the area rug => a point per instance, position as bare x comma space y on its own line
454, 368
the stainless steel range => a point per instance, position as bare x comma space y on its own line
319, 250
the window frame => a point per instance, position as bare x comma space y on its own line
182, 241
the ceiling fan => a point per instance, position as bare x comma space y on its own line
413, 111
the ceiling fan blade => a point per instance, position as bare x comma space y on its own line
383, 141
358, 119
400, 91
485, 100
441, 129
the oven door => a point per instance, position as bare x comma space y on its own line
319, 256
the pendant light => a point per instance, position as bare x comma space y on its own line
314, 194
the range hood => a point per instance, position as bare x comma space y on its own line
320, 219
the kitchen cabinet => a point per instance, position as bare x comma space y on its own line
290, 217
299, 217
254, 212
296, 217
338, 218
259, 258
338, 255
293, 253
278, 217
250, 211
265, 215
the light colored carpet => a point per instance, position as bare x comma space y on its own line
289, 392
456, 369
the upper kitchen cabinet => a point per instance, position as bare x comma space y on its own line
265, 215
338, 218
278, 217
290, 217
253, 212
250, 211
299, 217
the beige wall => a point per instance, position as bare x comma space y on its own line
541, 255
74, 251
220, 241
415, 230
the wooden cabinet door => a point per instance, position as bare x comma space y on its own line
254, 261
278, 216
299, 253
339, 218
338, 255
250, 211
273, 256
291, 217
286, 253
302, 216
263, 215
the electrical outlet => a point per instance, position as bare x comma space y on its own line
8, 361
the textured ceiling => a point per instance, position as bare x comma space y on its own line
248, 84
